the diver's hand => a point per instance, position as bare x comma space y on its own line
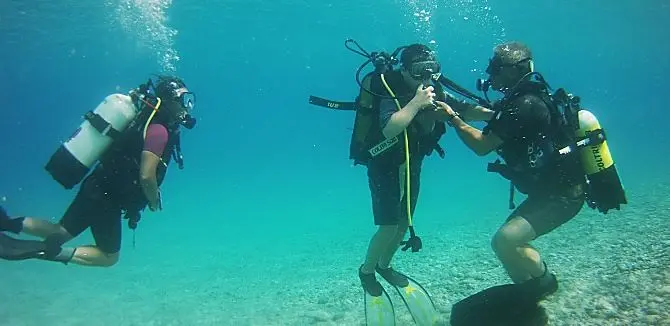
444, 112
153, 207
424, 97
158, 205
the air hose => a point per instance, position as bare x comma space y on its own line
414, 242
151, 117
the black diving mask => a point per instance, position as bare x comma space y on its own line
424, 70
495, 66
185, 100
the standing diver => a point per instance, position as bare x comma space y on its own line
396, 107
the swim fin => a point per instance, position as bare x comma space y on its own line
415, 297
13, 225
17, 249
378, 305
501, 305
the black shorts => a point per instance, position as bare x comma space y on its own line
385, 184
547, 212
93, 208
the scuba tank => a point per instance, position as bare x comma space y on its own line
73, 160
605, 189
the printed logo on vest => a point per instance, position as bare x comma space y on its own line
383, 146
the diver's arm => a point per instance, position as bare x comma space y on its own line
473, 138
148, 180
155, 144
476, 113
469, 111
401, 119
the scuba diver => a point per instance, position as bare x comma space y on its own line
555, 153
387, 170
396, 126
133, 138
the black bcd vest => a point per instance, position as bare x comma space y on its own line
119, 170
532, 162
367, 132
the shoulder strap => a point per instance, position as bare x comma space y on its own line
561, 122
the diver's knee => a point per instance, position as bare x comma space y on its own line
503, 240
62, 230
109, 260
59, 237
496, 242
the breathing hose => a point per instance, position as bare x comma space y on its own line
414, 242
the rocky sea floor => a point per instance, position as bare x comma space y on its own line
612, 269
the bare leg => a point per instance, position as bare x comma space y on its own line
530, 260
521, 261
57, 235
392, 248
379, 244
42, 228
93, 256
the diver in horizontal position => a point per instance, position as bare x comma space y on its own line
133, 137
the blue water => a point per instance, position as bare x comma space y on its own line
268, 206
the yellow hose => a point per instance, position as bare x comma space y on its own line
407, 170
153, 112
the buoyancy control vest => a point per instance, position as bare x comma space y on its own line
532, 162
570, 150
369, 143
119, 170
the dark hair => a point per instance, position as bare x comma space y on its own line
166, 85
511, 53
416, 52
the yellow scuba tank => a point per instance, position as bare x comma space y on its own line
605, 189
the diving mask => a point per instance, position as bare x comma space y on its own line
424, 70
496, 64
186, 100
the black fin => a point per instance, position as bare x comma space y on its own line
503, 305
16, 249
